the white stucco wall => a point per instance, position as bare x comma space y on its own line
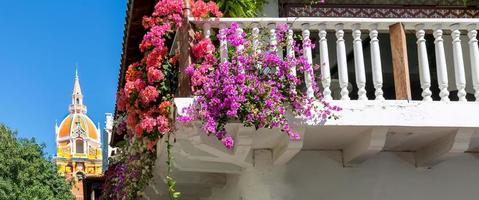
318, 175
270, 9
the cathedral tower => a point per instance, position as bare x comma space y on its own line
78, 142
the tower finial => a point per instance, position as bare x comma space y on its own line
76, 70
77, 97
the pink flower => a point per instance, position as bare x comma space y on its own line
155, 57
167, 7
149, 94
154, 75
202, 48
129, 87
200, 9
163, 124
121, 100
228, 142
139, 84
148, 123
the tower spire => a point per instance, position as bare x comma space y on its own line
77, 97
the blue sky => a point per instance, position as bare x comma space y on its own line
40, 43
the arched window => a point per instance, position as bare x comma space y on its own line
79, 146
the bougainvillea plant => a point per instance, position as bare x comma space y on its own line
256, 85
145, 103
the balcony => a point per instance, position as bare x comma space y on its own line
406, 86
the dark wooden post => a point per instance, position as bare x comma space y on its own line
400, 62
184, 36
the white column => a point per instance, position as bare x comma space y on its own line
441, 63
359, 62
324, 62
308, 75
474, 55
239, 31
207, 30
424, 74
376, 62
290, 52
256, 42
458, 62
223, 45
273, 43
255, 35
240, 48
342, 63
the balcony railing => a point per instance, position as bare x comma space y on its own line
453, 58
397, 81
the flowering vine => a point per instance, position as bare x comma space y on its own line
145, 103
256, 85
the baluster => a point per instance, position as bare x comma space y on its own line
239, 32
441, 63
256, 42
255, 35
273, 43
223, 44
458, 62
342, 63
290, 53
376, 62
324, 62
424, 74
206, 30
359, 62
474, 56
240, 48
308, 75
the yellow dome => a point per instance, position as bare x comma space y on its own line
76, 121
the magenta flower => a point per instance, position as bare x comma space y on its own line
254, 88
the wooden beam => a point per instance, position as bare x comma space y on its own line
185, 35
400, 62
444, 148
364, 147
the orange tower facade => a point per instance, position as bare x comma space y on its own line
79, 150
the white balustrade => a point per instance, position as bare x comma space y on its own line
375, 26
376, 62
458, 62
342, 62
359, 62
308, 75
424, 74
441, 63
474, 56
324, 62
